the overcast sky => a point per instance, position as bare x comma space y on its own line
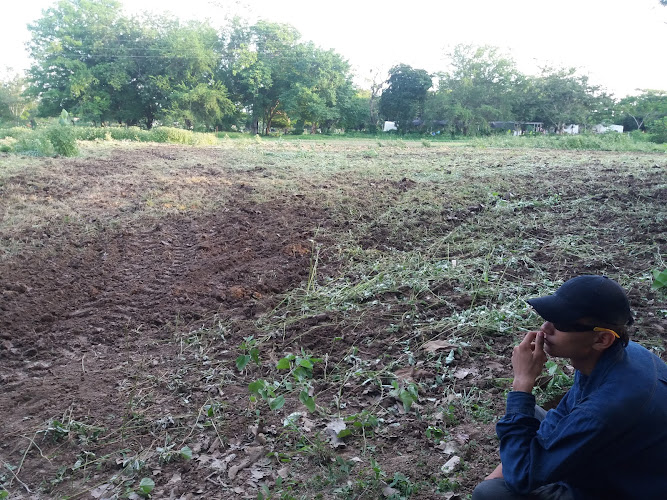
620, 44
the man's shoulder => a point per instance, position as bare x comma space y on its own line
645, 361
635, 384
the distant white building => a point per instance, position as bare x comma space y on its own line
389, 126
601, 129
571, 129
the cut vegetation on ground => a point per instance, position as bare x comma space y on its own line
278, 319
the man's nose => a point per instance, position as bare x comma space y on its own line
547, 327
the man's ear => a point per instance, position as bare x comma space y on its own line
603, 341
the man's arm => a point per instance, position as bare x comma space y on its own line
528, 360
530, 459
496, 474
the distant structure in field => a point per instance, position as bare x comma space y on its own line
515, 128
602, 129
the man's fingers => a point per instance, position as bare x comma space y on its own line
528, 339
539, 341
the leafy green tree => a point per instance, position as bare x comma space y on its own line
645, 108
205, 103
320, 86
403, 99
480, 87
104, 66
565, 97
355, 115
255, 67
71, 49
560, 96
269, 71
15, 105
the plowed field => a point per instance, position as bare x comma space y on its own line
134, 277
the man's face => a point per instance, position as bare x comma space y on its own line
562, 344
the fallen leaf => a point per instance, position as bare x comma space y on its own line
461, 373
451, 464
214, 445
495, 366
221, 464
420, 374
284, 472
292, 418
405, 374
258, 474
388, 491
450, 495
100, 490
332, 430
436, 345
308, 424
335, 426
461, 438
447, 448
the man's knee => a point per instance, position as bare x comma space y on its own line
491, 489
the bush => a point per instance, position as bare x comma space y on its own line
34, 143
7, 144
128, 134
90, 133
180, 136
659, 131
63, 139
170, 134
14, 132
611, 141
200, 139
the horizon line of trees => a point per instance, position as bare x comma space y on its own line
104, 67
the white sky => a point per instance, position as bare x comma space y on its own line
620, 44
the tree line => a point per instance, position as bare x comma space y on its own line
105, 67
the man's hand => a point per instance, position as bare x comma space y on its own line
528, 361
496, 474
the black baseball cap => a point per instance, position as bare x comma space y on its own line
587, 296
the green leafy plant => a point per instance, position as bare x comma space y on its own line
267, 392
558, 383
250, 353
435, 434
146, 485
301, 369
168, 453
659, 279
407, 394
402, 483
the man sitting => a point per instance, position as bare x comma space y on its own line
607, 439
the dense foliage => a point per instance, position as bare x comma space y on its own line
106, 68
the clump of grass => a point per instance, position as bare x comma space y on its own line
34, 144
62, 139
593, 142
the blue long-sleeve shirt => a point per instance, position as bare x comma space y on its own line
606, 439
